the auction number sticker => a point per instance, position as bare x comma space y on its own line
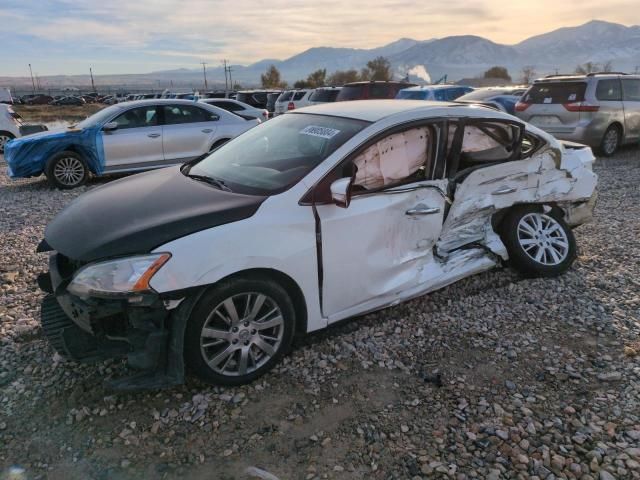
322, 132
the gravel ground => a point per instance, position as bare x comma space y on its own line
493, 377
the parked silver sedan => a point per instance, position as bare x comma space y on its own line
126, 137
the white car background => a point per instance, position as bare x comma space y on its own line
239, 108
422, 194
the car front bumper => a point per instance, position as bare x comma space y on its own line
146, 329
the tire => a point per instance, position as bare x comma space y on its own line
66, 170
610, 141
227, 348
4, 138
540, 244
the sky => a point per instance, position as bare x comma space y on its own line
139, 36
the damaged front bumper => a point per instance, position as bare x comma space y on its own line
577, 213
146, 329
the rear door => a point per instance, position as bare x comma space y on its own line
553, 106
608, 93
137, 142
631, 98
188, 131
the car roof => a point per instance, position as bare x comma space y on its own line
376, 110
434, 87
159, 101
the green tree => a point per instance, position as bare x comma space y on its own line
340, 77
591, 67
301, 84
528, 74
498, 72
271, 78
377, 69
317, 79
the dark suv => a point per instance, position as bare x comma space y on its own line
371, 90
601, 110
255, 98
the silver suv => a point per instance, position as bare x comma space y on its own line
601, 110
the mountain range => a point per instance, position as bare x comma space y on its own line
456, 56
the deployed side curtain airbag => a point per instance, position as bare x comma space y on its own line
391, 159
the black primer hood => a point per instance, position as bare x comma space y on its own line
137, 214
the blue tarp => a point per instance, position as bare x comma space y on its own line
27, 156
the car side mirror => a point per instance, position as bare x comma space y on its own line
110, 127
341, 192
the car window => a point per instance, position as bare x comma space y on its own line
439, 95
277, 154
324, 95
177, 114
299, 95
229, 106
397, 158
609, 90
379, 90
413, 95
631, 88
138, 117
555, 92
285, 96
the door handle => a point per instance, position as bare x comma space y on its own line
422, 211
207, 130
504, 190
153, 135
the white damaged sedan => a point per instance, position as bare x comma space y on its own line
318, 215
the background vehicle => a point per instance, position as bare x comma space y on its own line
74, 101
271, 102
324, 95
371, 90
39, 99
12, 126
292, 99
225, 266
502, 98
255, 98
442, 93
601, 110
126, 137
238, 108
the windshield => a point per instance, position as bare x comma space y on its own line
412, 95
274, 156
324, 95
99, 118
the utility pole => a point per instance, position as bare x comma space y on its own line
33, 83
230, 79
204, 72
226, 85
92, 84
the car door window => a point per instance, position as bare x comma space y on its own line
631, 89
609, 90
179, 114
137, 118
299, 96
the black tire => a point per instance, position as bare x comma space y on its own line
525, 243
4, 138
66, 170
610, 141
246, 341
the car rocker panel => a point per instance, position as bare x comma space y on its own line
358, 250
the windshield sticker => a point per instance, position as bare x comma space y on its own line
572, 97
322, 132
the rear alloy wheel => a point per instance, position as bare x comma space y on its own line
239, 331
67, 170
610, 141
540, 244
4, 138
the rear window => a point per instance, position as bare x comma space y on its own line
609, 90
324, 95
299, 95
412, 94
351, 92
558, 92
285, 96
380, 90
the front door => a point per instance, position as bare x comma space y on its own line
379, 246
136, 142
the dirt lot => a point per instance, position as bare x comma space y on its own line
539, 379
53, 114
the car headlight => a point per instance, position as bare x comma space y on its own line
119, 277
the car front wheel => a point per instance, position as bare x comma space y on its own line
539, 243
239, 330
4, 138
67, 170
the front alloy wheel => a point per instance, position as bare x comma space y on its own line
239, 331
67, 170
